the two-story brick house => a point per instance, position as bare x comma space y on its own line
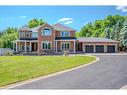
46, 38
56, 38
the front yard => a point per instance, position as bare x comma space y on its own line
18, 68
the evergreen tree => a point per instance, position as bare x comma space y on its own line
124, 34
116, 31
112, 35
107, 33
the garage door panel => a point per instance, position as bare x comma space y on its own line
99, 48
89, 48
111, 48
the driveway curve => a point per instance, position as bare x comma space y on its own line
108, 73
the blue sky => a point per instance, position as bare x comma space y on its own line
73, 16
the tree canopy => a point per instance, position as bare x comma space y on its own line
35, 22
11, 33
110, 27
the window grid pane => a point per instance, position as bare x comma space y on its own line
65, 34
46, 32
46, 45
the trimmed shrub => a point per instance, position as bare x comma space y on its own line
8, 53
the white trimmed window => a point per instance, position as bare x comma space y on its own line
34, 34
65, 34
46, 45
65, 45
46, 32
22, 34
27, 34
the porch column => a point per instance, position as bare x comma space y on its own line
16, 47
94, 48
105, 48
30, 46
74, 46
25, 46
56, 46
116, 48
83, 47
19, 47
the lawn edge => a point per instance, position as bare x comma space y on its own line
47, 76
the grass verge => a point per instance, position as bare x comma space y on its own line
18, 68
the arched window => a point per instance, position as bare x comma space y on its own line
46, 32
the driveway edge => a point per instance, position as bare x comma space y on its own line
46, 76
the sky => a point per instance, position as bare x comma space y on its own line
73, 16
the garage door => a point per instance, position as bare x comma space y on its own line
111, 48
89, 48
99, 48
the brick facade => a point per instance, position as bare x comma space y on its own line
56, 40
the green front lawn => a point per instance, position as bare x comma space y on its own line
18, 68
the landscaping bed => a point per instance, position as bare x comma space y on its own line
18, 68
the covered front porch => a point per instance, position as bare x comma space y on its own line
62, 45
25, 46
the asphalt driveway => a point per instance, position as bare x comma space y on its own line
108, 73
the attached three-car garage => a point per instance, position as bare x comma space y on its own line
89, 48
110, 48
98, 45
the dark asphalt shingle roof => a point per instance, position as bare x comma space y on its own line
65, 38
60, 27
25, 27
95, 39
33, 38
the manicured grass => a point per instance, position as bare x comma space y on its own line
18, 68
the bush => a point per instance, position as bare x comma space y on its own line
8, 53
66, 52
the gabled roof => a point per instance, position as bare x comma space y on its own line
60, 27
25, 27
38, 27
95, 39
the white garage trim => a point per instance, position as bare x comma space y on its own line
105, 46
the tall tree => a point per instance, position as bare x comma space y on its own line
116, 31
124, 34
107, 33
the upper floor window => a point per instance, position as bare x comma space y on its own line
22, 34
27, 34
34, 34
65, 34
46, 32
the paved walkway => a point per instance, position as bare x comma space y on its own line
109, 73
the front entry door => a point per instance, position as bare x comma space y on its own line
34, 47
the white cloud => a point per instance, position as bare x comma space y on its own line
65, 20
68, 22
22, 16
122, 8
